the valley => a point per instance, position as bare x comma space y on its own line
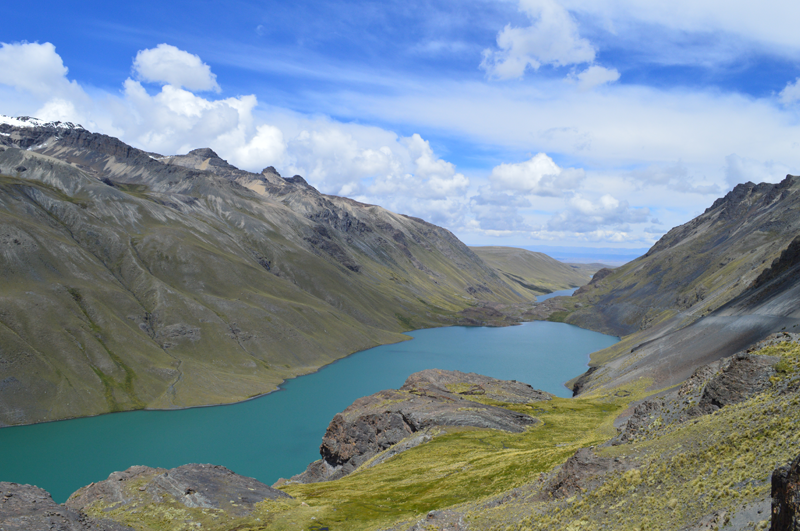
136, 280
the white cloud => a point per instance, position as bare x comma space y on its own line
741, 170
790, 93
172, 66
37, 73
609, 131
32, 67
595, 76
674, 177
499, 211
419, 182
538, 176
771, 27
551, 39
583, 215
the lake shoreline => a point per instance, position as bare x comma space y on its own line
279, 386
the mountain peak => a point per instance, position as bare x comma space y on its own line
206, 153
30, 122
270, 169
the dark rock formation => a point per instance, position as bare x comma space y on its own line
740, 377
208, 486
29, 508
580, 473
711, 387
427, 400
786, 497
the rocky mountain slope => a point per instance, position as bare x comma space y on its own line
704, 291
534, 273
134, 280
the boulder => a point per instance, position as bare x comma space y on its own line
29, 508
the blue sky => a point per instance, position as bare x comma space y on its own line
528, 122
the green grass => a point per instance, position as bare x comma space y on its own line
683, 471
559, 317
464, 464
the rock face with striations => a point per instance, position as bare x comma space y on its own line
741, 376
786, 497
427, 400
29, 508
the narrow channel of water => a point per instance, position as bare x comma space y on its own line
279, 434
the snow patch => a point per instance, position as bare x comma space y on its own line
27, 121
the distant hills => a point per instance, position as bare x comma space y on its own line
534, 273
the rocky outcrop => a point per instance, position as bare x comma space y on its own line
581, 472
194, 486
429, 399
711, 387
786, 497
740, 377
29, 508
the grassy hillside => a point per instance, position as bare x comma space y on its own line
534, 273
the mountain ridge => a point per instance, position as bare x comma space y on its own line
137, 280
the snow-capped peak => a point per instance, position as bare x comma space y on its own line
27, 121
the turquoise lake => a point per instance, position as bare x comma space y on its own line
277, 435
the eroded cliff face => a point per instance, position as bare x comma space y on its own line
134, 280
29, 508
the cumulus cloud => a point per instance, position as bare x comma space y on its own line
791, 93
175, 120
33, 67
38, 73
595, 76
426, 177
551, 39
537, 176
583, 215
741, 170
173, 66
